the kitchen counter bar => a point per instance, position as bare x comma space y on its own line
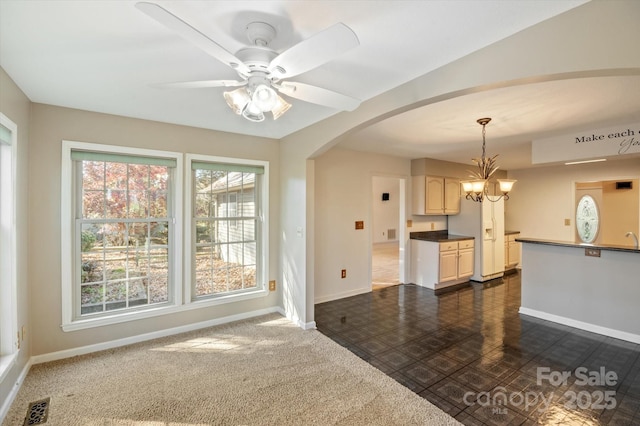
579, 245
437, 236
595, 290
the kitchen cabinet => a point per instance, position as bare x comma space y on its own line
441, 264
456, 260
435, 195
511, 251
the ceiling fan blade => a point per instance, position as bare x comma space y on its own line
200, 84
318, 95
314, 51
192, 35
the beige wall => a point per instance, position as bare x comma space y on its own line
15, 105
49, 126
544, 197
343, 195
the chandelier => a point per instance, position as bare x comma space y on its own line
256, 98
478, 188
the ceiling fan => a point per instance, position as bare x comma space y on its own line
262, 70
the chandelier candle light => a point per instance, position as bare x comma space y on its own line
478, 189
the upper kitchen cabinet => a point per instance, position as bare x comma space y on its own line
435, 195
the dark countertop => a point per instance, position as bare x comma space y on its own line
507, 232
578, 245
438, 236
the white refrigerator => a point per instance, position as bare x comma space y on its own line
485, 222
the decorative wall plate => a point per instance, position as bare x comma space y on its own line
587, 219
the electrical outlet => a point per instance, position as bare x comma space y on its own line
272, 285
593, 252
343, 274
433, 226
567, 222
409, 223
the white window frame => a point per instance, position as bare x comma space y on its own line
70, 321
262, 261
9, 339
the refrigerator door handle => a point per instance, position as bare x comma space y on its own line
493, 219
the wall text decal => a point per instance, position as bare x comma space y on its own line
612, 141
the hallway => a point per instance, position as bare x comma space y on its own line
385, 265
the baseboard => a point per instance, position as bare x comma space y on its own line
4, 409
342, 295
54, 356
617, 334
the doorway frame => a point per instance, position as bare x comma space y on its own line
403, 241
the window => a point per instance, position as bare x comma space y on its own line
228, 236
123, 234
121, 222
9, 342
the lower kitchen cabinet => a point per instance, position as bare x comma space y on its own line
440, 264
511, 251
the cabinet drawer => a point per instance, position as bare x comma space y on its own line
449, 246
465, 244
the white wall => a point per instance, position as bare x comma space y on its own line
15, 105
343, 195
386, 214
544, 197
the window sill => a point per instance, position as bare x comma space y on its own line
85, 323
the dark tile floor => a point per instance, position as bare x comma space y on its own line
470, 353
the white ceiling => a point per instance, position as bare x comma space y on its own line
106, 56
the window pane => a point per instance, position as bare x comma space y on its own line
159, 275
203, 179
92, 298
249, 277
158, 203
138, 204
249, 253
205, 232
115, 175
116, 203
235, 279
248, 230
159, 233
202, 205
138, 177
93, 175
116, 292
93, 204
114, 235
159, 177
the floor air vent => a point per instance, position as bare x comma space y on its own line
37, 412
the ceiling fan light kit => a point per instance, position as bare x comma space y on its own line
261, 68
256, 98
478, 189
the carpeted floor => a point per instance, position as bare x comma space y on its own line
262, 371
385, 265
